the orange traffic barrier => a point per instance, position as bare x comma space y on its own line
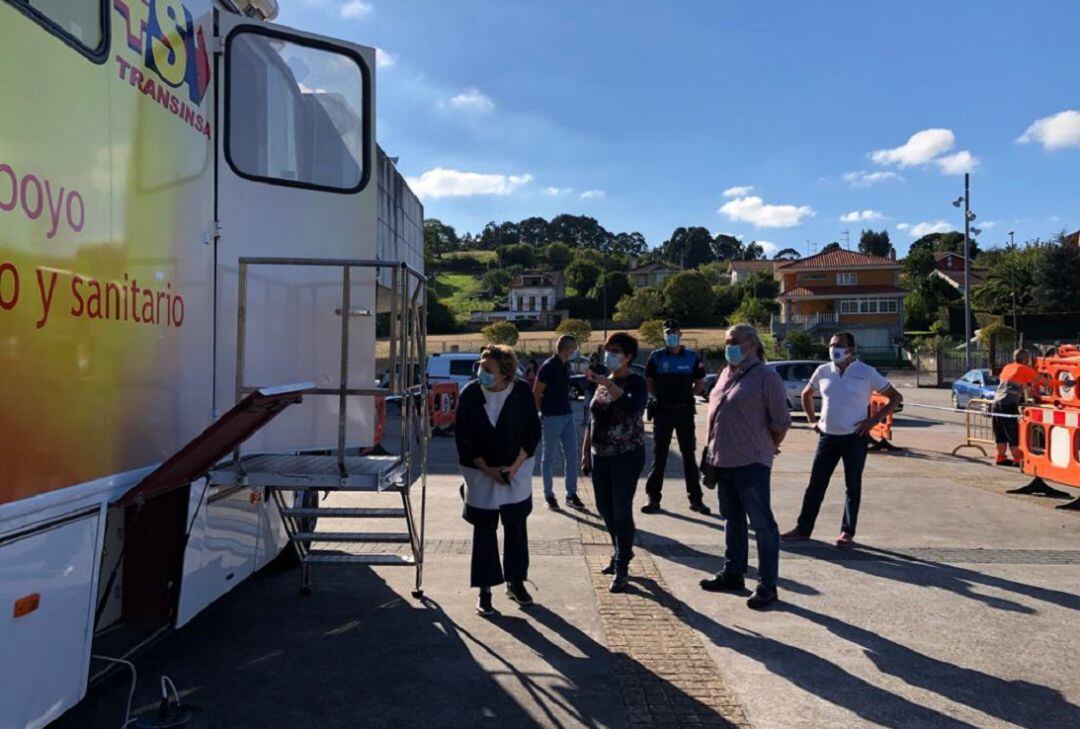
881, 433
442, 405
1048, 439
1060, 373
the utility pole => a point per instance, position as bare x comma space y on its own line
967, 271
1012, 277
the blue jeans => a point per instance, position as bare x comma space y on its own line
614, 483
744, 492
831, 449
560, 432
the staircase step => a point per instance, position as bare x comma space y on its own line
373, 537
344, 513
388, 560
369, 485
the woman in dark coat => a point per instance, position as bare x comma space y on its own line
497, 431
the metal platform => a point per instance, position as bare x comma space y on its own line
362, 473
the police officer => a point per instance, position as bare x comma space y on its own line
674, 375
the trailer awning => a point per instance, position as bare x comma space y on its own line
196, 458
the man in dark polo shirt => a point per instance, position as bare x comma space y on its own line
552, 392
674, 374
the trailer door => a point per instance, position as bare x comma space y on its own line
295, 159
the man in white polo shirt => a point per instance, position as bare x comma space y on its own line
845, 385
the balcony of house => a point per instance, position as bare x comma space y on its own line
824, 314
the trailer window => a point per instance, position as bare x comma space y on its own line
298, 114
79, 21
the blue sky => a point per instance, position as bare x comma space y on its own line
787, 121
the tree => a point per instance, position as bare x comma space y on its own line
580, 307
516, 255
688, 297
558, 255
798, 344
1057, 278
875, 243
579, 329
533, 231
500, 332
690, 247
715, 271
727, 300
951, 242
834, 246
439, 238
640, 305
630, 244
610, 288
787, 254
582, 275
440, 319
579, 231
727, 247
754, 311
760, 285
1010, 281
753, 251
652, 333
499, 234
497, 280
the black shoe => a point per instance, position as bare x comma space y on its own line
619, 583
610, 569
552, 503
575, 503
699, 506
762, 598
516, 591
484, 608
653, 507
724, 582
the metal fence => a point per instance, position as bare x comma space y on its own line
945, 365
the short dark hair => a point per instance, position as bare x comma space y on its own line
625, 343
670, 324
847, 337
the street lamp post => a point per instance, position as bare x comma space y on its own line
1012, 288
968, 217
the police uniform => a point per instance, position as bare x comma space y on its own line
673, 375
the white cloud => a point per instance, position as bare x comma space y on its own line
558, 191
592, 194
1054, 132
356, 9
383, 59
856, 216
441, 182
754, 210
986, 224
768, 247
738, 191
471, 99
862, 178
920, 148
957, 164
918, 230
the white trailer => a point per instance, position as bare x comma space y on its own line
188, 223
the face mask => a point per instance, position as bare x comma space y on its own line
613, 361
486, 379
672, 340
838, 354
733, 353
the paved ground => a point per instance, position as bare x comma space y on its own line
959, 609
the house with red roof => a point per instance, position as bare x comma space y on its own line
845, 290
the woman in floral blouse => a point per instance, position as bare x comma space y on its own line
614, 448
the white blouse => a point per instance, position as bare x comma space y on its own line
483, 492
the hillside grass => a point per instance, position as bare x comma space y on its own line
461, 293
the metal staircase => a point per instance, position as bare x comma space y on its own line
347, 477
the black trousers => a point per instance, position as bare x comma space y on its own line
831, 449
486, 571
614, 483
1006, 430
681, 421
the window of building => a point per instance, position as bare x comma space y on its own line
297, 114
869, 306
816, 276
846, 279
521, 303
849, 306
532, 303
543, 303
81, 22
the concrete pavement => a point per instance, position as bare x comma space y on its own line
958, 608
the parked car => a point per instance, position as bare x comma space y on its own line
795, 374
457, 367
975, 384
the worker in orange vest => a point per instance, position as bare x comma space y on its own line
1014, 385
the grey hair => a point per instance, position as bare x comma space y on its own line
748, 332
564, 341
